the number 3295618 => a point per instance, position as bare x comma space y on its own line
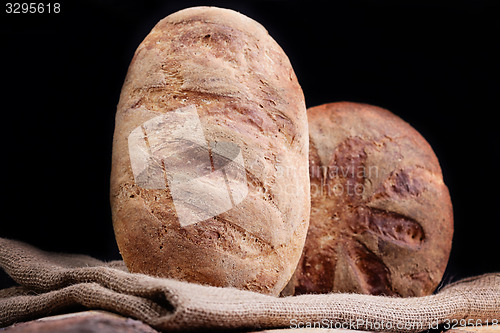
32, 8
454, 323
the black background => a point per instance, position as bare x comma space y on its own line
435, 64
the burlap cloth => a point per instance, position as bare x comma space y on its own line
54, 283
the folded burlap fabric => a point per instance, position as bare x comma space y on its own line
52, 283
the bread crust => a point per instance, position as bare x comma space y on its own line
245, 92
381, 215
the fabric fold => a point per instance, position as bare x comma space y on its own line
51, 283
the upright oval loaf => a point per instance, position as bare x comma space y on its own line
210, 115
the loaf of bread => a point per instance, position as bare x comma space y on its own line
381, 216
209, 178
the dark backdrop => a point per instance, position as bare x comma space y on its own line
435, 64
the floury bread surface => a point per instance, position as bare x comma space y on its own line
210, 176
381, 216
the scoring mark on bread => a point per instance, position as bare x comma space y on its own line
404, 183
227, 237
394, 227
253, 180
369, 270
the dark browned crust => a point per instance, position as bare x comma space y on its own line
389, 231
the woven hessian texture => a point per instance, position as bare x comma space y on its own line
52, 283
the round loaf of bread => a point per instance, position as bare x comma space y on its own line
210, 117
381, 216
